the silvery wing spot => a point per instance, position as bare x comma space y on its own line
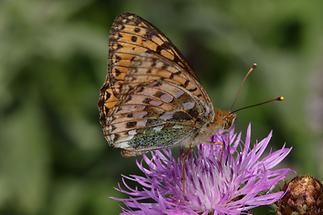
151, 98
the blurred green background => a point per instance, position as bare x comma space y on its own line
53, 157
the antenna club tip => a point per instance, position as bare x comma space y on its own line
254, 65
280, 98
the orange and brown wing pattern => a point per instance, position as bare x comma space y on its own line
151, 98
130, 32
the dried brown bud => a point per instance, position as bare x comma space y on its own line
304, 196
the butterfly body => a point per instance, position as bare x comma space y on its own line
151, 98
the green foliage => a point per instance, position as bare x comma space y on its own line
53, 157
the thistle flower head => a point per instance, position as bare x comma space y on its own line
228, 179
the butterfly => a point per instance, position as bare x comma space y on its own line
151, 98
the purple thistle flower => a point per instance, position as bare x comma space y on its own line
228, 179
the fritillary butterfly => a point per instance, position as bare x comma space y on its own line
151, 98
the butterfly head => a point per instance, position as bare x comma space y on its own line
224, 119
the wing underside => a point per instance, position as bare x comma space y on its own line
151, 98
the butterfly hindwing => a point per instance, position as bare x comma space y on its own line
151, 98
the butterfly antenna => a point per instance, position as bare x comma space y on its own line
279, 98
242, 83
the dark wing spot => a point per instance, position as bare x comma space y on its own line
193, 113
199, 95
113, 128
149, 35
119, 46
107, 95
157, 83
117, 72
147, 100
131, 124
180, 115
140, 89
134, 39
137, 21
116, 136
158, 94
120, 27
186, 83
163, 46
137, 30
148, 51
130, 115
101, 102
118, 58
128, 98
178, 61
193, 89
158, 49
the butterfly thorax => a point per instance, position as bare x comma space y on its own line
222, 120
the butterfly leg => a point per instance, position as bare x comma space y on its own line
218, 143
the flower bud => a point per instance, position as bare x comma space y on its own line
303, 196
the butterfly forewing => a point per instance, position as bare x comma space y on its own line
151, 98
